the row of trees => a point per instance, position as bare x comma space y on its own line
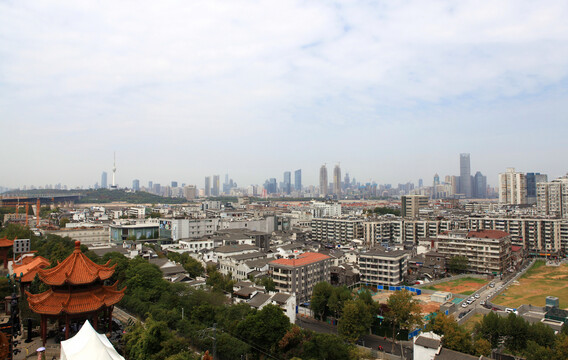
517, 336
357, 313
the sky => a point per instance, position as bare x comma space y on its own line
393, 91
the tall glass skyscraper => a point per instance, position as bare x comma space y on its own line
287, 182
104, 184
298, 180
465, 175
323, 181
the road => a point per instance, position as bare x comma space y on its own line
368, 341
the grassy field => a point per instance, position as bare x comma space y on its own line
535, 285
466, 285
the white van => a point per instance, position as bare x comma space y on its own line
514, 311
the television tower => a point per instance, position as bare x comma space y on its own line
114, 172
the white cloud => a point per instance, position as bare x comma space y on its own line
233, 75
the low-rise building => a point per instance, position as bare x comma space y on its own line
379, 267
300, 274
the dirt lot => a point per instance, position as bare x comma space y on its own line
425, 303
466, 286
538, 282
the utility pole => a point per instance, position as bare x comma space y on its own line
215, 341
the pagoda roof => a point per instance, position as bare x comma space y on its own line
30, 267
6, 243
77, 269
58, 302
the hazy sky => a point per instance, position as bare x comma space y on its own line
184, 89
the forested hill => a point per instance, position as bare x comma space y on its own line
101, 196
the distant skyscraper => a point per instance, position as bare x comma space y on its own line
435, 185
104, 183
216, 185
465, 175
174, 184
346, 181
323, 181
298, 180
479, 186
420, 183
136, 185
270, 186
512, 187
208, 186
150, 185
337, 180
532, 180
287, 182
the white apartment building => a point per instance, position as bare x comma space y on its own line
512, 187
552, 198
387, 268
488, 251
336, 229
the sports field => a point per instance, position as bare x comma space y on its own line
466, 286
535, 285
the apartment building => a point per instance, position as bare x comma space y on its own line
379, 267
337, 229
552, 198
411, 205
512, 187
299, 275
488, 251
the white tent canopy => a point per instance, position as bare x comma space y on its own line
88, 344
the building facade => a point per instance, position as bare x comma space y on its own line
512, 187
323, 181
387, 268
487, 251
411, 205
299, 275
336, 229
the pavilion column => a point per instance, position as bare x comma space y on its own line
108, 320
96, 321
43, 329
66, 326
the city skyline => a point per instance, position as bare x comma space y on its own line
258, 89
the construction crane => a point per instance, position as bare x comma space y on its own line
27, 204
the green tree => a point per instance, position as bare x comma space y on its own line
403, 311
458, 264
490, 328
454, 337
482, 347
265, 328
355, 321
63, 222
320, 296
516, 332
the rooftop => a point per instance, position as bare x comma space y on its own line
77, 269
303, 259
488, 234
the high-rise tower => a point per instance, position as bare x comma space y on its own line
298, 180
323, 181
465, 175
208, 186
287, 182
337, 180
113, 186
104, 183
